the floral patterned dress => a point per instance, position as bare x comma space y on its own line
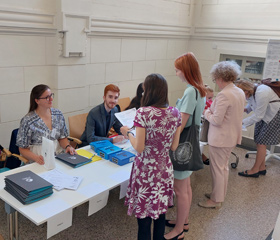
150, 189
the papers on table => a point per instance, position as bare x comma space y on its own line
123, 144
127, 117
61, 180
126, 145
87, 154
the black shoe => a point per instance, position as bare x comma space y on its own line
263, 172
245, 174
206, 162
167, 224
176, 237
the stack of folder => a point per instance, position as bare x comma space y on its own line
73, 160
28, 187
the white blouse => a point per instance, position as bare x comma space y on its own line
259, 104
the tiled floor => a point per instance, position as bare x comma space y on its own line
249, 212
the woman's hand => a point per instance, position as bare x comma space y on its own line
124, 131
70, 150
39, 159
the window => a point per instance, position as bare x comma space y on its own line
251, 67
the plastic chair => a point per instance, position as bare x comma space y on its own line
124, 103
77, 124
269, 153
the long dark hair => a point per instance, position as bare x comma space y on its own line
36, 92
136, 101
155, 91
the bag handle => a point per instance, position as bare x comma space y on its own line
193, 119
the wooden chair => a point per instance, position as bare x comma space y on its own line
5, 153
77, 124
124, 103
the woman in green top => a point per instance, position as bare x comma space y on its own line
187, 69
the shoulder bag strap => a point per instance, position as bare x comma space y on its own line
193, 119
274, 101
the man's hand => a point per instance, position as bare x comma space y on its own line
118, 138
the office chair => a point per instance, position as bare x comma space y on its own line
269, 153
77, 124
11, 160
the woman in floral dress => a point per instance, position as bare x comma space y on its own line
150, 189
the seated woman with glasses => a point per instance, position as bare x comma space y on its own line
42, 121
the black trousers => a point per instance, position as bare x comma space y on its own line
144, 228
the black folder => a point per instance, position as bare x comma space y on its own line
28, 200
73, 160
27, 187
28, 182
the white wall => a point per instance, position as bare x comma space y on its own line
121, 42
235, 27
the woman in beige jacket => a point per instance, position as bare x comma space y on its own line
225, 130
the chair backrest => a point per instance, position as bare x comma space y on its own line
123, 103
77, 125
13, 162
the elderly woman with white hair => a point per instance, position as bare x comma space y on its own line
225, 129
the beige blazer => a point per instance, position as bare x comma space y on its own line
225, 117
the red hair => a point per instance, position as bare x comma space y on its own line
111, 87
188, 64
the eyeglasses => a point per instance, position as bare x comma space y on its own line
48, 97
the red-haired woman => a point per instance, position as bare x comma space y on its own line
187, 69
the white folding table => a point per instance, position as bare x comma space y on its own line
98, 177
103, 174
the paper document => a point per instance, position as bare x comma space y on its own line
127, 117
98, 202
59, 222
123, 144
47, 152
87, 154
60, 180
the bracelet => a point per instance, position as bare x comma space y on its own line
67, 146
129, 132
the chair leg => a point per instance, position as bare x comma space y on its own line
255, 152
271, 154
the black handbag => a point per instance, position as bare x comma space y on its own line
187, 156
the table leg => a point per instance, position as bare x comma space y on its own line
10, 226
12, 222
16, 225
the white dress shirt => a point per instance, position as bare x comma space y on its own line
259, 104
